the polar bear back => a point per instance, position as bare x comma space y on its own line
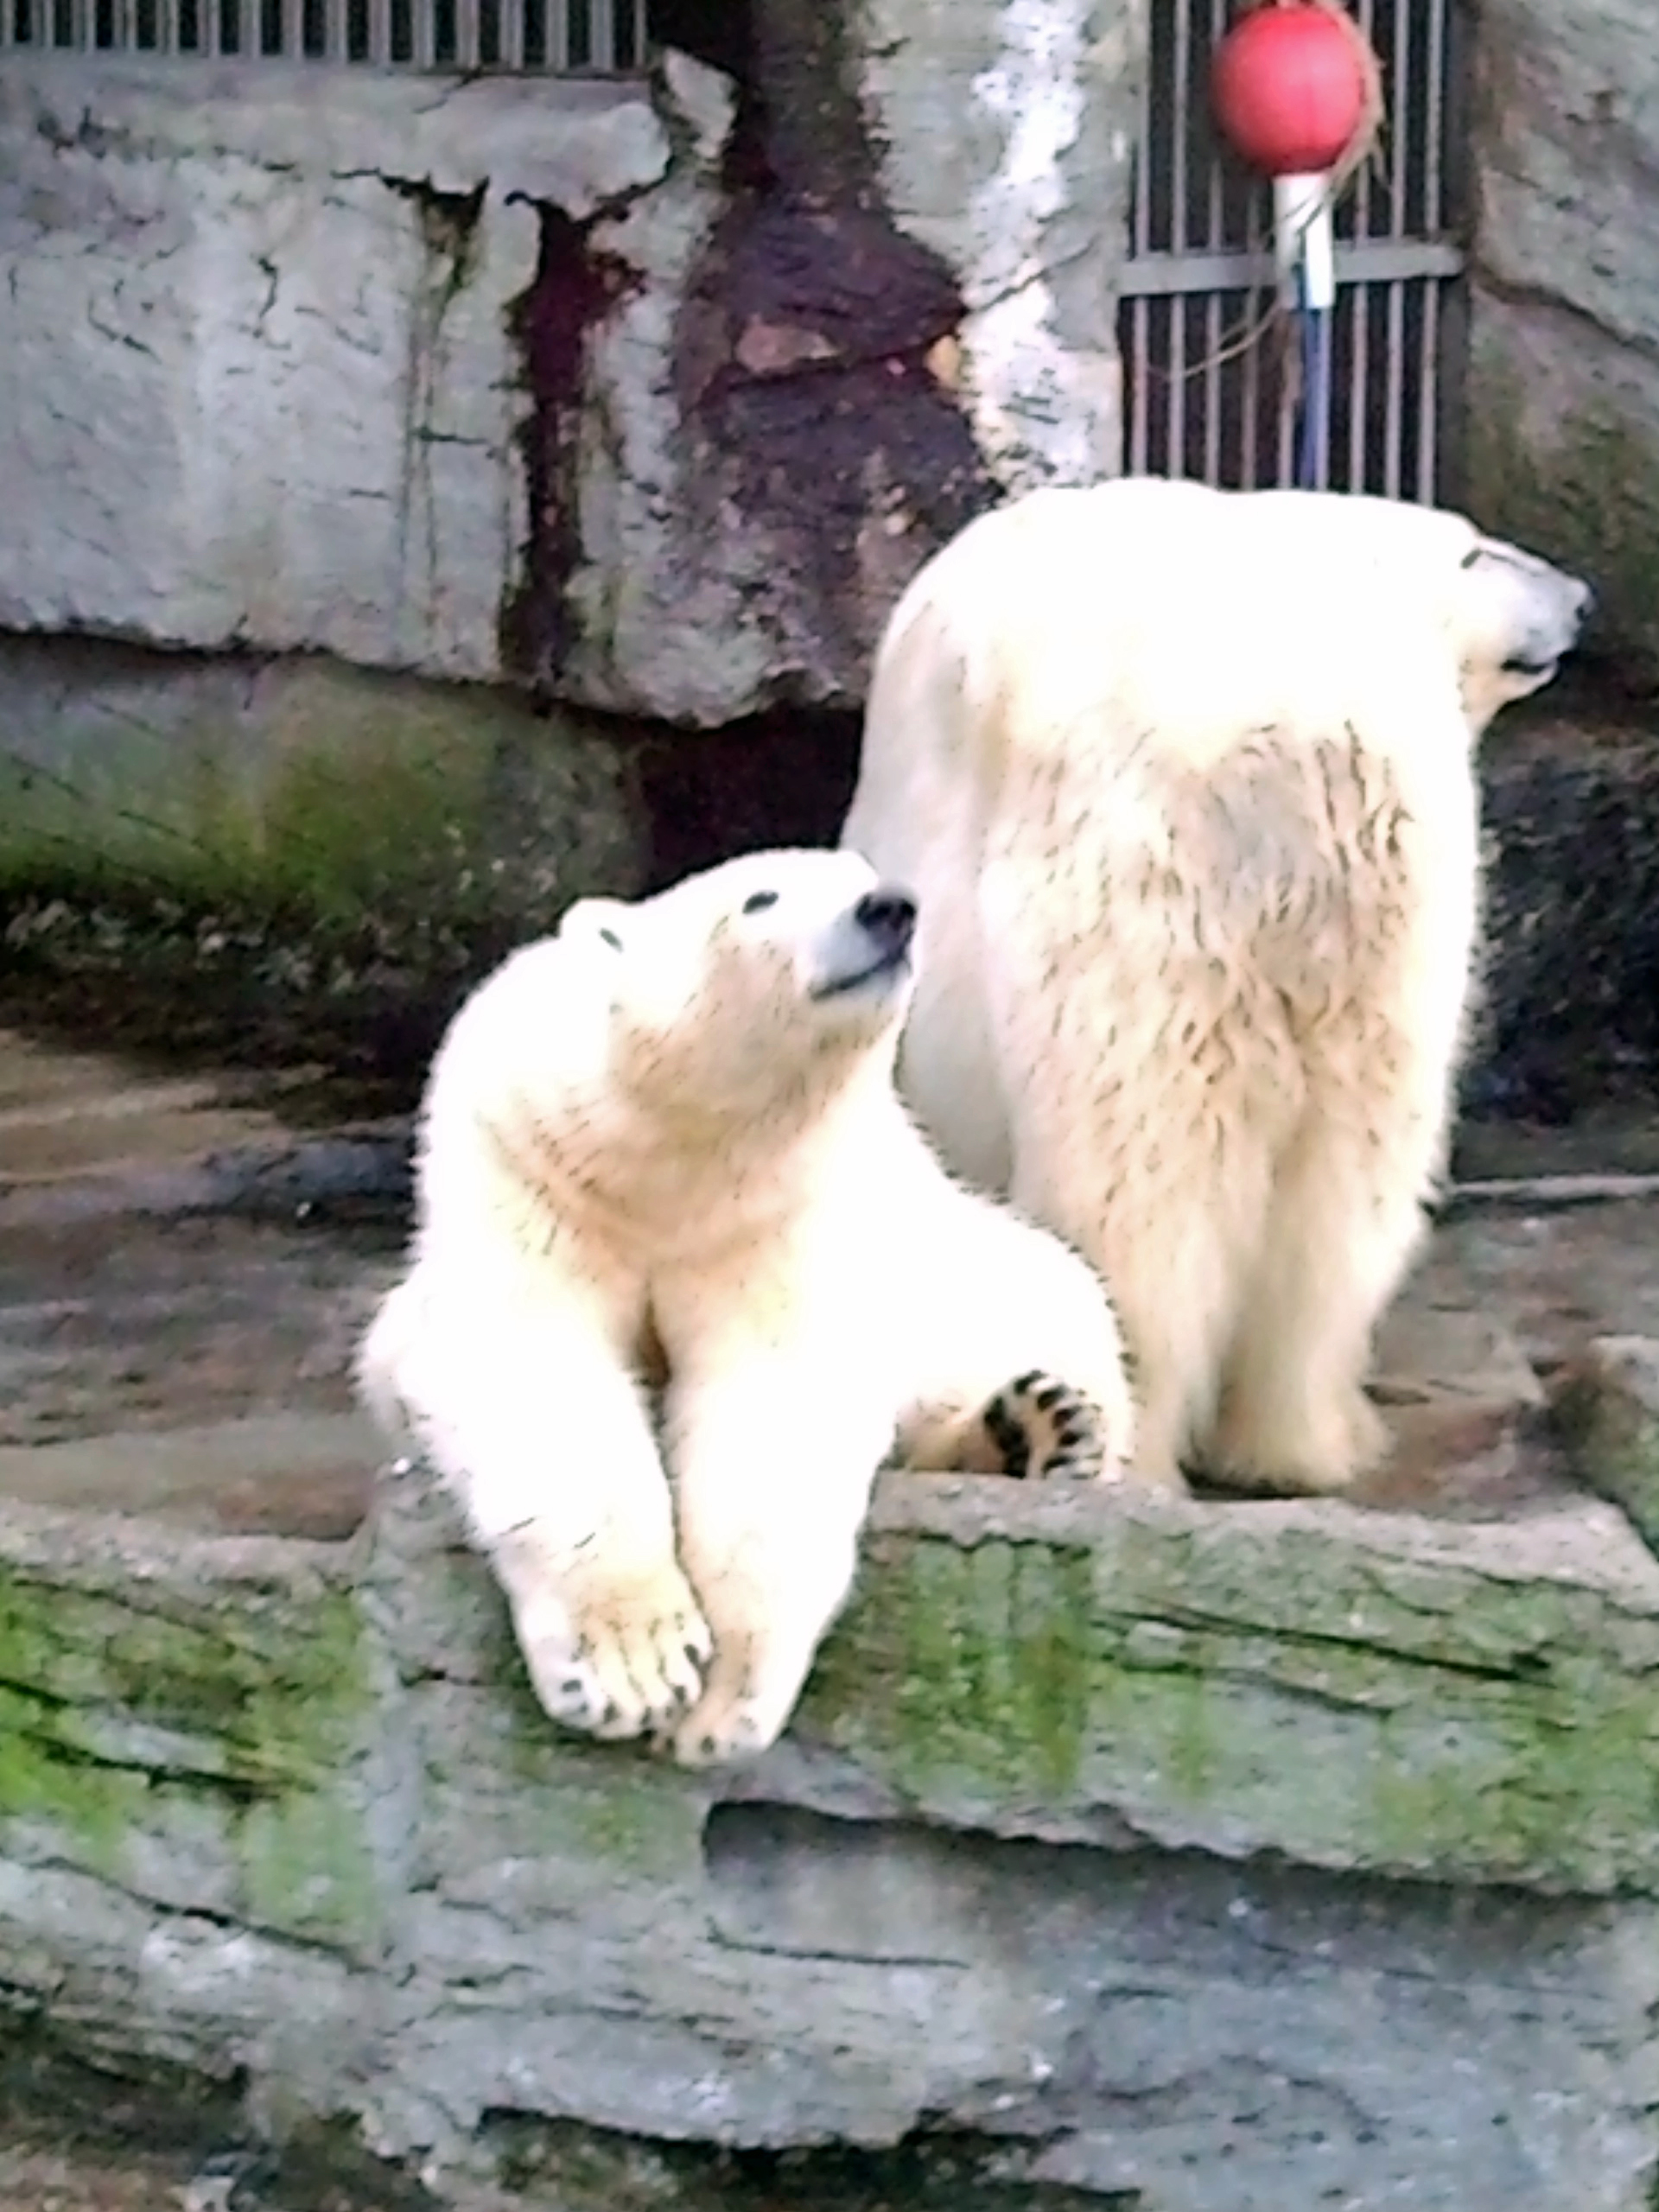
1078, 614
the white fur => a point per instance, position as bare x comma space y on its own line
1182, 779
651, 1152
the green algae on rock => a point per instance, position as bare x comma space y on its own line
185, 1716
1350, 1688
1088, 1789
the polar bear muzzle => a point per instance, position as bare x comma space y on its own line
1545, 609
869, 942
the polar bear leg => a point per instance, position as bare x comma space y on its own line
1346, 1220
773, 1465
997, 1316
1347, 1214
1174, 1255
531, 1419
1135, 1144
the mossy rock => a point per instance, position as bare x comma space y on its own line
1346, 1688
334, 797
191, 1734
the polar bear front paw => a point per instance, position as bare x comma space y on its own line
721, 1730
1046, 1431
614, 1655
739, 1715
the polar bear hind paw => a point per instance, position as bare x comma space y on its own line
1046, 1431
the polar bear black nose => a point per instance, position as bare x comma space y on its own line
888, 918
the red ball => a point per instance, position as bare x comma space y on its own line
1289, 89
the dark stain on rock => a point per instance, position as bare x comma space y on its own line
809, 114
814, 354
448, 220
574, 288
1569, 1015
816, 348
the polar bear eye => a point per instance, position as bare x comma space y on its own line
758, 901
612, 939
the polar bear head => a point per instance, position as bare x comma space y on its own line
771, 977
1517, 618
1511, 617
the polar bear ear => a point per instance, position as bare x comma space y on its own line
601, 921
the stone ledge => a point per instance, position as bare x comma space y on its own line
290, 1809
1349, 1689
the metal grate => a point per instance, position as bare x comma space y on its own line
1204, 399
571, 37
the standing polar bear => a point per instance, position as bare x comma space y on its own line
1184, 781
662, 1155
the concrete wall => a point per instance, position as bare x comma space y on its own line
655, 394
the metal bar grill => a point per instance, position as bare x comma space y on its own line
558, 37
1207, 392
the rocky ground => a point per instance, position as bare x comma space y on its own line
183, 1272
47, 2173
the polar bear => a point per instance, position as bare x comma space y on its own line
1183, 780
666, 1191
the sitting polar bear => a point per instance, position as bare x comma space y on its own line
1183, 780
663, 1147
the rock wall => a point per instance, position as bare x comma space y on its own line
1563, 400
641, 392
653, 394
1192, 1859
258, 382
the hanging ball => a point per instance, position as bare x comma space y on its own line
1289, 85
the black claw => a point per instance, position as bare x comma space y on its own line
1009, 1437
1055, 1395
1000, 1423
1025, 1384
